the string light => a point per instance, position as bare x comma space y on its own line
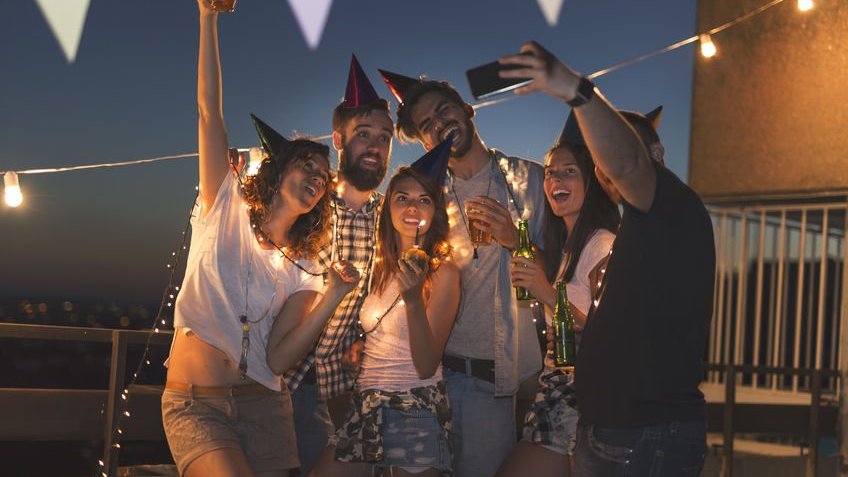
167, 300
805, 5
708, 48
14, 196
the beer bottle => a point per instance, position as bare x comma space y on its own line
565, 352
524, 249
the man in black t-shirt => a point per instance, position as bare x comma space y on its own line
639, 365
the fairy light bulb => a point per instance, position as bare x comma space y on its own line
805, 5
255, 158
708, 48
14, 196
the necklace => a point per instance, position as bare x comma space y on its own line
461, 205
245, 321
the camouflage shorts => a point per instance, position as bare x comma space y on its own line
552, 419
406, 429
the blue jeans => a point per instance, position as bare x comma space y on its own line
676, 449
312, 425
483, 425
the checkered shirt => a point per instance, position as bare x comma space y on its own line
355, 242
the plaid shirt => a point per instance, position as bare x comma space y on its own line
354, 240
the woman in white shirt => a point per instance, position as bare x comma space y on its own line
400, 416
580, 220
249, 307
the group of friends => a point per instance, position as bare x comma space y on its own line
304, 284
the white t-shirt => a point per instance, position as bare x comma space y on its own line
227, 268
387, 358
579, 288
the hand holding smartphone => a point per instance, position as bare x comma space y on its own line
485, 82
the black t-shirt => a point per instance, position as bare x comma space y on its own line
640, 358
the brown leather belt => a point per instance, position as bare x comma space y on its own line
245, 390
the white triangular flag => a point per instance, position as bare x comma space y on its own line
67, 19
312, 16
551, 9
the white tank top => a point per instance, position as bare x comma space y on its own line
387, 361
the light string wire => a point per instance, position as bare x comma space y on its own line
168, 300
476, 106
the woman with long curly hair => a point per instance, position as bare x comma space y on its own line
250, 305
399, 419
579, 227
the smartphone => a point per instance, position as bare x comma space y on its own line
485, 82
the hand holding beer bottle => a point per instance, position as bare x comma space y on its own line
565, 350
525, 250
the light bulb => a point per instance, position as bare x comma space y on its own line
708, 48
14, 196
805, 5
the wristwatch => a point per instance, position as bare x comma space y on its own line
585, 91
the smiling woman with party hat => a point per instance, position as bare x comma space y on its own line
399, 415
250, 304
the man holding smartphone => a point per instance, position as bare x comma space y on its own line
493, 345
639, 365
362, 135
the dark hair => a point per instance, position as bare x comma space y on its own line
434, 242
406, 129
342, 115
311, 231
597, 212
643, 127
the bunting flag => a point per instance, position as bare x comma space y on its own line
312, 16
67, 19
551, 10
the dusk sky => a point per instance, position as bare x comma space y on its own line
107, 233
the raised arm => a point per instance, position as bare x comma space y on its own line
615, 146
303, 317
429, 321
211, 131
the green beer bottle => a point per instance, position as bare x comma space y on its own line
565, 352
524, 249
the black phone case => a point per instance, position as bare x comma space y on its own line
485, 82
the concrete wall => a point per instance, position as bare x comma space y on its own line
770, 110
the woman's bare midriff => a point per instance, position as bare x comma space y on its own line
193, 361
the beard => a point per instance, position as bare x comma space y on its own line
460, 149
362, 179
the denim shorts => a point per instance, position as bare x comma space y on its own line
262, 425
413, 440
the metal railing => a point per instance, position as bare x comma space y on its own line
119, 339
778, 293
820, 419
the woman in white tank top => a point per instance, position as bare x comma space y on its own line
400, 415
